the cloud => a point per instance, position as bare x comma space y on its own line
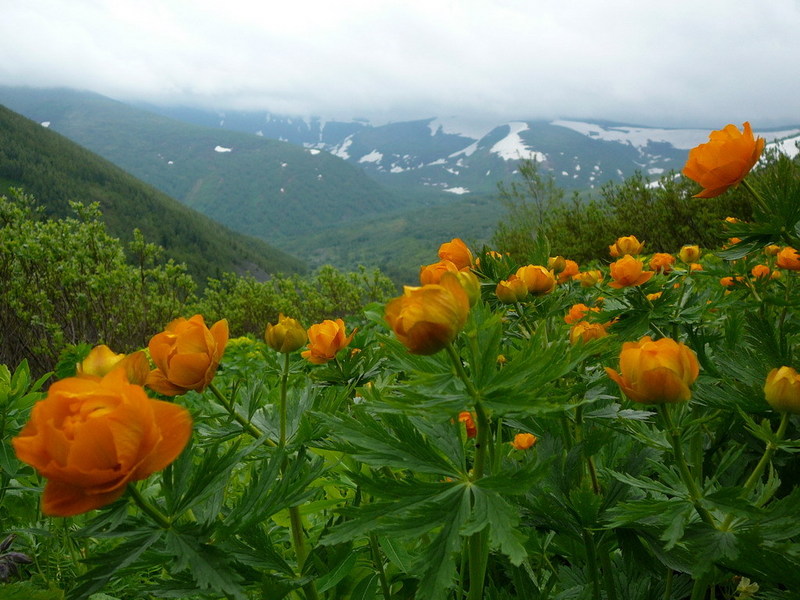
683, 62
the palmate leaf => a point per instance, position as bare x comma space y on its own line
206, 564
489, 509
391, 441
111, 562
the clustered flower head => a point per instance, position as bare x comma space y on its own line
724, 160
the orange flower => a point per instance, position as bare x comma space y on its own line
689, 254
465, 417
772, 250
523, 441
577, 312
186, 354
538, 279
628, 271
456, 252
724, 160
654, 296
425, 319
782, 390
584, 332
286, 336
695, 267
511, 290
626, 245
655, 372
662, 261
570, 270
730, 281
433, 273
89, 437
325, 340
101, 360
556, 263
760, 272
789, 259
589, 278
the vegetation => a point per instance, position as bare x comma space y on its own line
67, 281
57, 172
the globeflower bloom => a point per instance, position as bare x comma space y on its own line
626, 245
89, 437
101, 360
538, 279
456, 251
589, 278
789, 259
523, 441
433, 273
628, 271
584, 331
325, 340
286, 336
186, 354
425, 319
656, 372
570, 270
724, 160
782, 390
662, 261
761, 272
577, 312
511, 290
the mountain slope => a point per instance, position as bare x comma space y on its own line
56, 171
461, 157
258, 186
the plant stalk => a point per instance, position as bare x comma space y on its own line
151, 511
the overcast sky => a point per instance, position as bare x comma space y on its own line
699, 63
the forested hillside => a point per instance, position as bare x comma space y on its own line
57, 171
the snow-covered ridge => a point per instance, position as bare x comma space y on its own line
639, 137
512, 147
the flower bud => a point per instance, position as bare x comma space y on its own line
325, 340
589, 278
511, 290
626, 245
465, 417
689, 254
772, 250
472, 287
523, 441
286, 336
556, 264
760, 272
782, 390
662, 262
584, 332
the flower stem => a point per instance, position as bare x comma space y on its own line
759, 200
591, 558
755, 476
246, 425
160, 518
376, 557
479, 541
284, 381
695, 494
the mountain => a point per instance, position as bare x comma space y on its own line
56, 170
262, 187
462, 157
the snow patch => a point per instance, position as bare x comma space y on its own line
512, 147
468, 151
313, 151
457, 190
639, 137
465, 128
372, 157
222, 149
341, 151
788, 146
45, 124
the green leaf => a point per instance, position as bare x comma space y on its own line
206, 564
25, 590
366, 588
338, 572
490, 509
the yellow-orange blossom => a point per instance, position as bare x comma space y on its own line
92, 436
656, 372
724, 160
